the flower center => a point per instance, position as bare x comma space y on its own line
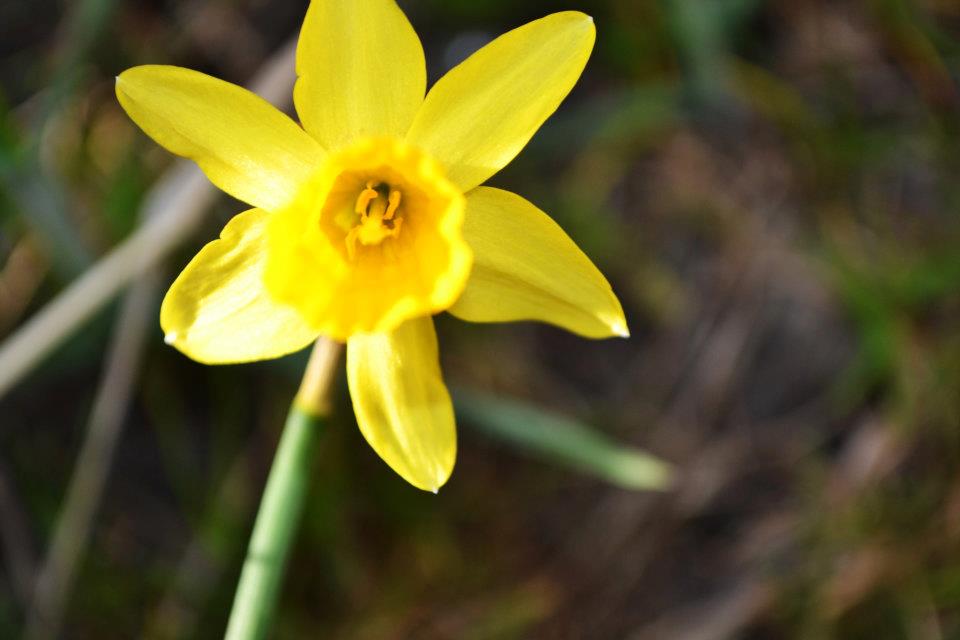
337, 254
376, 209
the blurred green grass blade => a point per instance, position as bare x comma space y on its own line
44, 208
82, 29
622, 116
706, 34
8, 134
561, 439
41, 200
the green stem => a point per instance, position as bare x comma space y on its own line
259, 588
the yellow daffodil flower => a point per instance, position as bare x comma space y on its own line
369, 216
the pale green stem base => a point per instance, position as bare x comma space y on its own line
258, 591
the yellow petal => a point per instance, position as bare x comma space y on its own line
245, 145
361, 71
217, 310
401, 403
482, 113
526, 268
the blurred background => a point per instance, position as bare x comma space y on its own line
772, 187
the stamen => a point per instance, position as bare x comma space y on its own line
394, 200
351, 242
366, 196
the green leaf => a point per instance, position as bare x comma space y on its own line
563, 440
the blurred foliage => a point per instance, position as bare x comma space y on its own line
566, 442
772, 188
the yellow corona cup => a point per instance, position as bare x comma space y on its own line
369, 216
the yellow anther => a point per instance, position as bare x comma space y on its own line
366, 196
394, 201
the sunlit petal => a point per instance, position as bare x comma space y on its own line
479, 116
361, 71
246, 146
526, 268
218, 311
401, 402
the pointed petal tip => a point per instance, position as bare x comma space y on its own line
430, 484
616, 323
586, 18
124, 75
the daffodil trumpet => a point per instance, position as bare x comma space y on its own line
368, 216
